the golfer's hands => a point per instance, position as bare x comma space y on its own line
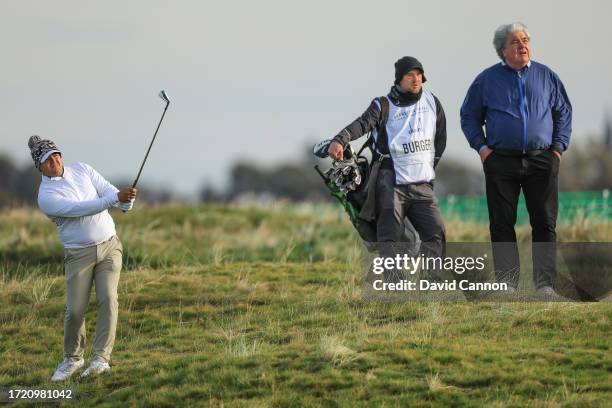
484, 154
125, 207
336, 151
556, 153
127, 194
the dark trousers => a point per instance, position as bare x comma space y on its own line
413, 203
537, 176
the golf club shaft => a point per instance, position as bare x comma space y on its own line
150, 145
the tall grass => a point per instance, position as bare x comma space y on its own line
179, 235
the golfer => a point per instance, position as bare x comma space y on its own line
76, 198
527, 117
409, 128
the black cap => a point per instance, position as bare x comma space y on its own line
405, 65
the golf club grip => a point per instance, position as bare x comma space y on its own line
150, 145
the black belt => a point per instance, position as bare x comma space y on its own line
518, 153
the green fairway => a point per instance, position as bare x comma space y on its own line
226, 306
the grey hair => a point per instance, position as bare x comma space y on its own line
501, 35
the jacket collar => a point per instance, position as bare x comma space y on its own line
506, 65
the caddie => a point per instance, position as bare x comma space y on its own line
409, 129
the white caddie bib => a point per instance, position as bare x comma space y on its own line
411, 132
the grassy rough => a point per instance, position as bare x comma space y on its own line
262, 307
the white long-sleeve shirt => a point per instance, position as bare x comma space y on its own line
77, 202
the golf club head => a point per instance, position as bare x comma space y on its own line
164, 96
321, 148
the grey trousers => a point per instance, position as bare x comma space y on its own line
414, 203
84, 266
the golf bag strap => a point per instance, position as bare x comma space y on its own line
368, 210
384, 108
382, 139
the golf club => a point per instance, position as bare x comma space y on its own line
164, 97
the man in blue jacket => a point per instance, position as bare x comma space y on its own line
527, 119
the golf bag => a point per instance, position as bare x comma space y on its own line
347, 181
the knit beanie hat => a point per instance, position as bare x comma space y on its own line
405, 65
41, 149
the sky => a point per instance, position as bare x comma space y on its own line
260, 81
